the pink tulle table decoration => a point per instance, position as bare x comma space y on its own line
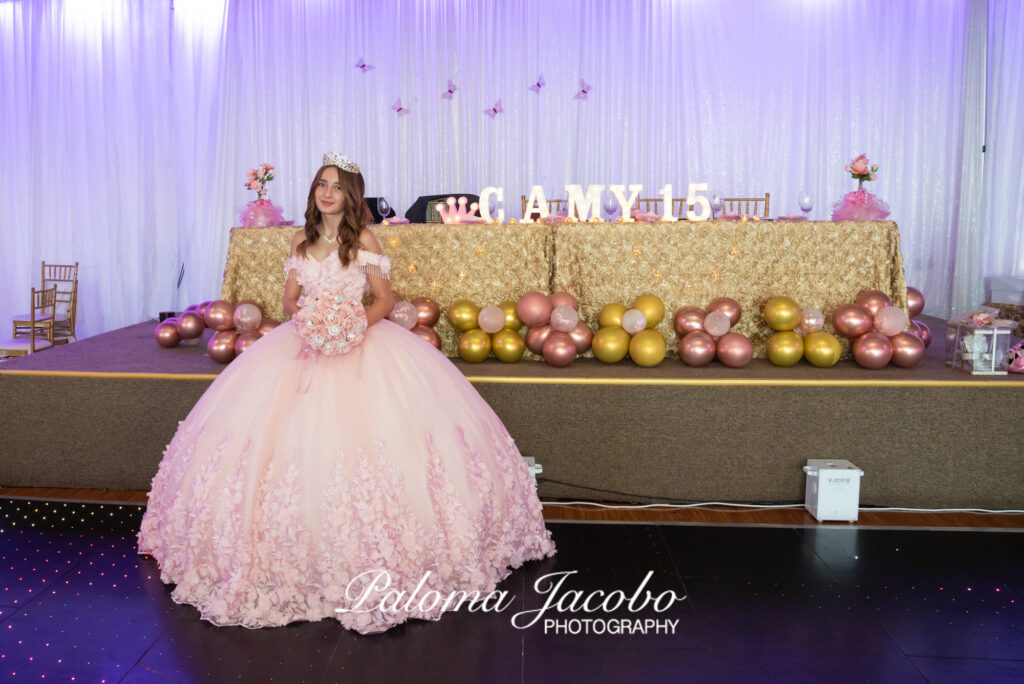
859, 205
263, 213
397, 220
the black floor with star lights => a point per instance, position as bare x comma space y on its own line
764, 604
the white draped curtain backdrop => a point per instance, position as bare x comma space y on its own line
128, 127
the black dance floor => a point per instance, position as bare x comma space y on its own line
763, 604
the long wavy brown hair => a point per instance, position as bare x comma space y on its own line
354, 218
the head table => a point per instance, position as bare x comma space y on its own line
820, 264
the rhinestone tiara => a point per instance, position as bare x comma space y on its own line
341, 161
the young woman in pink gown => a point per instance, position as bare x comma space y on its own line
304, 483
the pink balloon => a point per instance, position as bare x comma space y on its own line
873, 300
716, 323
559, 349
907, 350
734, 350
634, 321
246, 340
428, 334
491, 319
890, 320
558, 299
534, 309
535, 338
405, 314
247, 317
811, 320
167, 334
697, 348
729, 306
852, 320
688, 319
582, 335
915, 302
190, 326
872, 350
924, 332
563, 318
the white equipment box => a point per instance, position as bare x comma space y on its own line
833, 489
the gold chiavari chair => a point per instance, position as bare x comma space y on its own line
747, 206
554, 206
40, 326
65, 278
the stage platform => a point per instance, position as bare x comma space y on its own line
97, 414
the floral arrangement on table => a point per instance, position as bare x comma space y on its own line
860, 205
261, 212
330, 323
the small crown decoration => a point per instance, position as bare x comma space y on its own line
341, 161
450, 214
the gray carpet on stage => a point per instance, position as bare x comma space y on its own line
948, 443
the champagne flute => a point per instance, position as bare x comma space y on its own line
609, 204
806, 203
716, 205
383, 208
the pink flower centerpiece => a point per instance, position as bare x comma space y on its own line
860, 205
261, 212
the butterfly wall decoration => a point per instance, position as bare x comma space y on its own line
584, 89
363, 66
538, 85
399, 109
495, 110
448, 94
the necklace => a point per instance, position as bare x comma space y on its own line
330, 241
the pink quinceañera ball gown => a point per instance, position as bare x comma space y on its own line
297, 478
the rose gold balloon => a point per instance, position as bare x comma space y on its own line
427, 312
852, 320
192, 308
167, 334
730, 307
734, 350
697, 348
247, 317
688, 319
915, 301
563, 299
535, 338
221, 347
559, 349
220, 316
872, 350
907, 350
534, 309
924, 332
428, 334
190, 326
582, 335
873, 300
203, 308
266, 326
246, 340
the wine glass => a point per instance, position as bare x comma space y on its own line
716, 205
806, 203
383, 208
609, 204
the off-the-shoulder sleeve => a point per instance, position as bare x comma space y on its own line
374, 264
291, 264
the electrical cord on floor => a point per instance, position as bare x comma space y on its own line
668, 503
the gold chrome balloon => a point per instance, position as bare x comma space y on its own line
782, 313
463, 314
652, 307
611, 315
822, 349
512, 321
785, 348
474, 345
508, 345
610, 344
647, 348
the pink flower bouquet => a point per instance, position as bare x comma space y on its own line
860, 205
330, 323
261, 212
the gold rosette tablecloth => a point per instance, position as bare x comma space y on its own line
820, 264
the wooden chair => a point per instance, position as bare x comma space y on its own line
554, 206
649, 205
65, 278
747, 206
432, 214
41, 324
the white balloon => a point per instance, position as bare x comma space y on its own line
564, 318
634, 321
717, 323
